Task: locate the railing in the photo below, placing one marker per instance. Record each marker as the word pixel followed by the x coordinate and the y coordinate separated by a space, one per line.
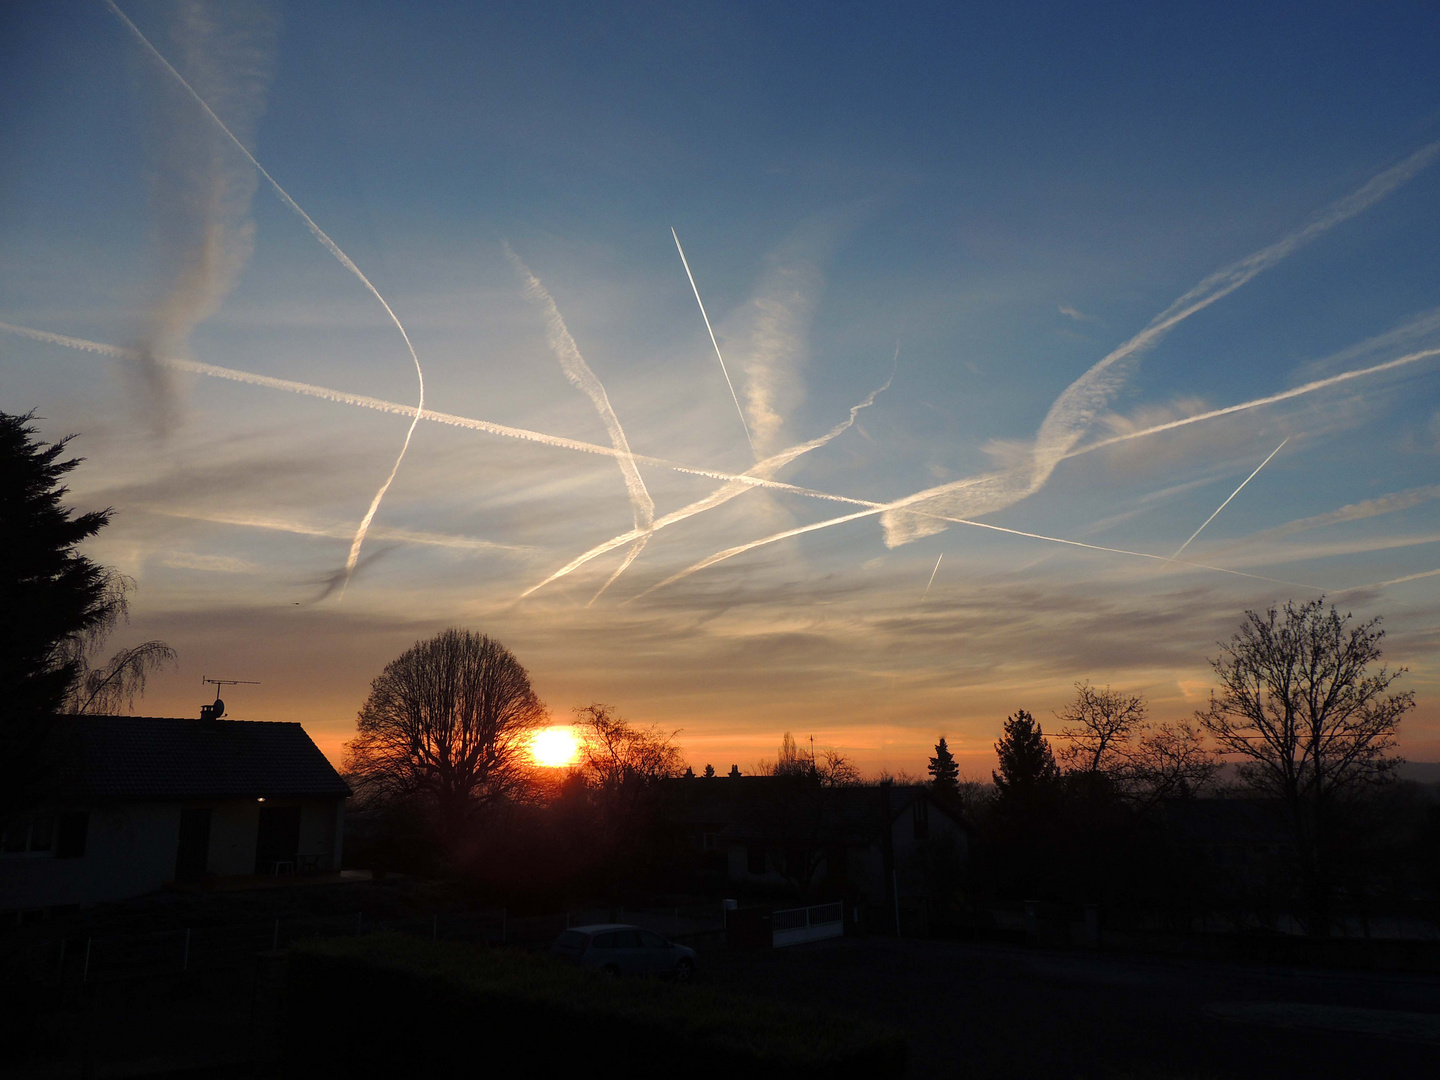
pixel 795 925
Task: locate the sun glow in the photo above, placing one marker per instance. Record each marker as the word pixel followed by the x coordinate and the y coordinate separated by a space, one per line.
pixel 555 747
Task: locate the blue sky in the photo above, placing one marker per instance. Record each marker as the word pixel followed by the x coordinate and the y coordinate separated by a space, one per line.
pixel 1004 196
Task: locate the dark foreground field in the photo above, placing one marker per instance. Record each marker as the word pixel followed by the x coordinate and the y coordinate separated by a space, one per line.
pixel 977 1010
pixel 1005 1011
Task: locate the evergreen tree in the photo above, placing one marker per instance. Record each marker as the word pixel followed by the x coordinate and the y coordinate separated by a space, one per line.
pixel 1026 764
pixel 709 771
pixel 944 773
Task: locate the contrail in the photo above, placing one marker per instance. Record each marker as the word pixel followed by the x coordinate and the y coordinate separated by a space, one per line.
pixel 1307 388
pixel 300 528
pixel 719 496
pixel 932 578
pixel 1407 577
pixel 334 250
pixel 364 401
pixel 1075 408
pixel 580 375
pixel 749 479
pixel 1226 503
pixel 740 549
pixel 728 383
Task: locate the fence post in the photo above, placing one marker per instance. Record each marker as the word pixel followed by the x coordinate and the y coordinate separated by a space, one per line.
pixel 185 964
pixel 86 977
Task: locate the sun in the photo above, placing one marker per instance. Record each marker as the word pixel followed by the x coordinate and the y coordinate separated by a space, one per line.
pixel 555 747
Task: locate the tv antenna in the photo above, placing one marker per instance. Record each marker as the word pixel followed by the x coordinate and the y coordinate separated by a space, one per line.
pixel 217 710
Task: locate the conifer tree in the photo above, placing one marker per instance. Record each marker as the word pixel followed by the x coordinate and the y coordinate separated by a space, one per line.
pixel 944 773
pixel 1026 763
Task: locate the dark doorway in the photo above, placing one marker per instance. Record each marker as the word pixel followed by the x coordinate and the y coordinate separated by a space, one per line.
pixel 194 847
pixel 279 838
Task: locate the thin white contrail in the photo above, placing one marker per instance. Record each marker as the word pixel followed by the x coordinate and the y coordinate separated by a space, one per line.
pixel 562 344
pixel 1407 577
pixel 1255 403
pixel 741 549
pixel 364 401
pixel 749 479
pixel 1226 503
pixel 301 528
pixel 1076 407
pixel 932 578
pixel 686 263
pixel 720 495
pixel 334 250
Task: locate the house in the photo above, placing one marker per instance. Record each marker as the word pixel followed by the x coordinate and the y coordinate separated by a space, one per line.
pixel 137 802
pixel 881 848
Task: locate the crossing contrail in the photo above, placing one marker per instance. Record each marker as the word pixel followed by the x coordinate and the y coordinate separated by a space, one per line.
pixel 720 495
pixel 1256 403
pixel 1076 407
pixel 1226 503
pixel 740 549
pixel 685 262
pixel 562 344
pixel 746 480
pixel 364 401
pixel 334 250
pixel 932 578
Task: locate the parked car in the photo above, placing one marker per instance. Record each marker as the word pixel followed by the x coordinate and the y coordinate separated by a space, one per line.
pixel 619 949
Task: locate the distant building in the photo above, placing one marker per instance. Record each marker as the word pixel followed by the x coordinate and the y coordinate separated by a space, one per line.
pixel 137 802
pixel 888 850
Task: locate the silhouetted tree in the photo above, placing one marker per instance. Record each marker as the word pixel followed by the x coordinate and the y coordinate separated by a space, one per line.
pixel 1304 704
pixel 944 773
pixel 1099 726
pixel 709 771
pixel 734 770
pixel 1026 762
pixel 831 769
pixel 58 606
pixel 1114 750
pixel 446 726
pixel 623 765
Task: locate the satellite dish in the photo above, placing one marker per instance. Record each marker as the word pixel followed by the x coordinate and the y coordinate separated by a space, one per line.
pixel 218 709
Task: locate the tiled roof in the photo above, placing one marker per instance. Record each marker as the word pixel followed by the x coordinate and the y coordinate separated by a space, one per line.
pixel 105 757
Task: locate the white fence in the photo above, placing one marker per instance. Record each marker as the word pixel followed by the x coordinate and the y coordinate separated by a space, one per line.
pixel 794 925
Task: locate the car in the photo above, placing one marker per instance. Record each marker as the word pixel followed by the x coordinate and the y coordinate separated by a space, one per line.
pixel 620 949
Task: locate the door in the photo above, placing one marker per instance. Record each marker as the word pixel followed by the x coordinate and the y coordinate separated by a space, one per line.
pixel 193 851
pixel 278 840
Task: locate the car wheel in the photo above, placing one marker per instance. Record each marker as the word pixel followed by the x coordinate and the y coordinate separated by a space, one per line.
pixel 610 971
pixel 684 970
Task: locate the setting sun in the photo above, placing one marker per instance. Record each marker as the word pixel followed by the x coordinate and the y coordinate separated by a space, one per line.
pixel 555 747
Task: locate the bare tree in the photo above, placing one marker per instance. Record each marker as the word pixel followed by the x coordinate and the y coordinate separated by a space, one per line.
pixel 616 755
pixel 1111 737
pixel 115 684
pixel 447 725
pixel 1303 703
pixel 1099 727
pixel 831 768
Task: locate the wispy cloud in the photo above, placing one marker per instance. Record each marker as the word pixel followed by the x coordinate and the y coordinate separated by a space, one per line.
pixel 329 246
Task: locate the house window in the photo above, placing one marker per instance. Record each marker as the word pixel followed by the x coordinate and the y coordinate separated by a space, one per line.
pixel 33 835
pixel 920 812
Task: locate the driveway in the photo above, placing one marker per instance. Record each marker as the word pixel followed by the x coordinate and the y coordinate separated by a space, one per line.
pixel 1006 1011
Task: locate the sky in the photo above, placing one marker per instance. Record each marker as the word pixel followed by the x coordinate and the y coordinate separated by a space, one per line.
pixel 959 262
